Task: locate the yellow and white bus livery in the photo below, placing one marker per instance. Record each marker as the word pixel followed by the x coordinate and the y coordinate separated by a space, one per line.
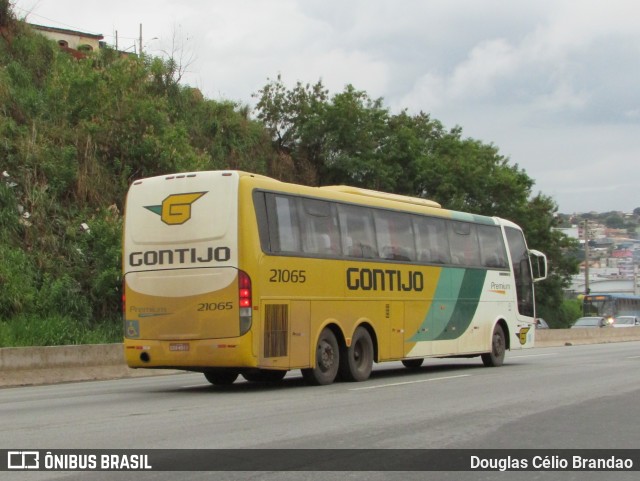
pixel 229 273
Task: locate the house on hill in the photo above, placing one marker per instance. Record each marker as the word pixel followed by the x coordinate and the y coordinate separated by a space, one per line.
pixel 76 43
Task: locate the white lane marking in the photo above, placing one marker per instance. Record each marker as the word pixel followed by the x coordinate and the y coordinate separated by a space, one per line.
pixel 515 356
pixel 633 357
pixel 409 382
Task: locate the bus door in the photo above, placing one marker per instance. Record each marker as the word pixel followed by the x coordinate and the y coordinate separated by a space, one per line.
pixel 525 300
pixel 395 315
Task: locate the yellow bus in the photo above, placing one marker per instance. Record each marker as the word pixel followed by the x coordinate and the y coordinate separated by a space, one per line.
pixel 230 273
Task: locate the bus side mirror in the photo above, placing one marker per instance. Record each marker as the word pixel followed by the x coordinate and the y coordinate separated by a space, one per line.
pixel 538 265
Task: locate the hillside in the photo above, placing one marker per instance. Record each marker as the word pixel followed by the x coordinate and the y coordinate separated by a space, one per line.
pixel 73 134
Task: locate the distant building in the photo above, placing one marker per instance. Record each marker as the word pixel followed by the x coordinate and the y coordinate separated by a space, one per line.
pixel 596 231
pixel 571 232
pixel 603 284
pixel 72 40
pixel 613 260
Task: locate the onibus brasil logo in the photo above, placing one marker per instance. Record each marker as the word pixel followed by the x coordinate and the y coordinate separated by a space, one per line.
pixel 175 209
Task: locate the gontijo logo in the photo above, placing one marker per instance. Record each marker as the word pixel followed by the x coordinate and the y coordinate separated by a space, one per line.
pixel 175 209
pixel 522 335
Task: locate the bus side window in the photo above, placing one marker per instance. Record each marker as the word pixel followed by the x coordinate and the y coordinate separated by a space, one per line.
pixel 492 249
pixel 320 234
pixel 356 226
pixel 395 236
pixel 463 242
pixel 431 240
pixel 284 231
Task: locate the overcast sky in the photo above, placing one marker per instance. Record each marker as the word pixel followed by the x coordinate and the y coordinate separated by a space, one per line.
pixel 554 84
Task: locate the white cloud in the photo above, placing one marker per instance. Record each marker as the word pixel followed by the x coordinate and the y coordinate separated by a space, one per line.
pixel 487 65
pixel 562 97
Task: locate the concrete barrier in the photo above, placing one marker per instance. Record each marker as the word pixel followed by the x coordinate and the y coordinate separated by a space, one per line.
pixel 595 335
pixel 21 366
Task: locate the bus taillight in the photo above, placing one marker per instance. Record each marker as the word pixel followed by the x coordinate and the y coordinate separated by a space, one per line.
pixel 245 303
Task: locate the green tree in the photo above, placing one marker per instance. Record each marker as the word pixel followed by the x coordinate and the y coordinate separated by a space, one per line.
pixel 296 121
pixel 615 221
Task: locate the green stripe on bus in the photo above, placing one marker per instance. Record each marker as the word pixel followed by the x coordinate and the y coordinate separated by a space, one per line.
pixel 465 308
pixel 455 303
pixel 477 219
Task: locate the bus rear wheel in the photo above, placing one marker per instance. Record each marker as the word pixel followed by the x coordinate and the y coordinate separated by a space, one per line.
pixel 327 360
pixel 495 358
pixel 356 361
pixel 221 377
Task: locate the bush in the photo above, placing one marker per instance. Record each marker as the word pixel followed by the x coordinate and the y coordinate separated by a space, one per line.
pixel 35 330
pixel 55 330
pixel 9 215
pixel 99 263
pixel 18 282
pixel 562 318
pixel 63 297
pixel 570 310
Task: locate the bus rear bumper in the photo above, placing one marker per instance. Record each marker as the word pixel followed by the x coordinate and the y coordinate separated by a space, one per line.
pixel 193 355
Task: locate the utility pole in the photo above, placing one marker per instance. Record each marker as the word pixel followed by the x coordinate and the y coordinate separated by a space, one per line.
pixel 140 39
pixel 586 257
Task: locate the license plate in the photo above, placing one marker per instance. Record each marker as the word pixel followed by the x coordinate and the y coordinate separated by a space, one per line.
pixel 179 346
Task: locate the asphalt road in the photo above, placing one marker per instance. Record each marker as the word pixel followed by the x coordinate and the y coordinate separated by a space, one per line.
pixel 585 397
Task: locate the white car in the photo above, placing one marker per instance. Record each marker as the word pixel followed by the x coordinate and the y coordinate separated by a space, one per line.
pixel 626 321
pixel 590 322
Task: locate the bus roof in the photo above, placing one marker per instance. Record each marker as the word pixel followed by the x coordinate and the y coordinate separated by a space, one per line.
pixel 382 195
pixel 355 191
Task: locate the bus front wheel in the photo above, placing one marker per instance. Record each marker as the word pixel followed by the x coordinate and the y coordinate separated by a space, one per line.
pixel 495 358
pixel 327 360
pixel 356 361
pixel 221 377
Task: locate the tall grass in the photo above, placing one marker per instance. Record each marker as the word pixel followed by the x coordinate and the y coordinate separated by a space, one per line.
pixel 55 330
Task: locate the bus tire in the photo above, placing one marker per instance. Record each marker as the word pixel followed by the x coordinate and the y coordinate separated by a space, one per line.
pixel 264 375
pixel 327 360
pixel 221 377
pixel 356 361
pixel 412 363
pixel 495 358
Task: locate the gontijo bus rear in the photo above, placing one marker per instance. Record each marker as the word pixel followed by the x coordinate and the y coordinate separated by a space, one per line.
pixel 230 273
